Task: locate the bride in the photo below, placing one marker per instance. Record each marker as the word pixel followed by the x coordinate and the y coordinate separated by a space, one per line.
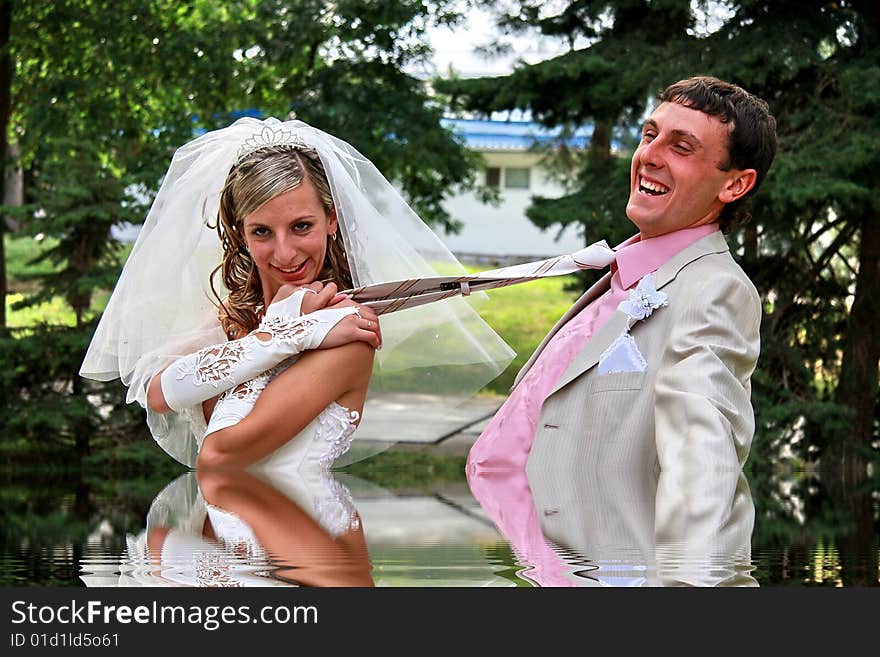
pixel 273 368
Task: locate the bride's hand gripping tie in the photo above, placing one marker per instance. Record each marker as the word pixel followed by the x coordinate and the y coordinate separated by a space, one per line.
pixel 362 328
pixel 281 334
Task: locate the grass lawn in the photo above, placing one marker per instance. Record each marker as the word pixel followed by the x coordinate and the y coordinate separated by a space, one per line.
pixel 19 252
pixel 55 311
pixel 21 273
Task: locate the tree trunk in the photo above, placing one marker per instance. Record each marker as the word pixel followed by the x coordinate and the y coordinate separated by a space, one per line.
pixel 5 111
pixel 859 370
pixel 81 426
pixel 749 259
pixel 859 558
pixel 750 243
pixel 80 302
pixel 600 142
pixel 857 542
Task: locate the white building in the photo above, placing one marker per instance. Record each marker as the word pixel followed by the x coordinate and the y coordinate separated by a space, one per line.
pixel 504 232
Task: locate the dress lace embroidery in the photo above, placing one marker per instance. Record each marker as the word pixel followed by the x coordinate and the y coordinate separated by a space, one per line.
pixel 249 391
pixel 215 365
pixel 336 512
pixel 336 424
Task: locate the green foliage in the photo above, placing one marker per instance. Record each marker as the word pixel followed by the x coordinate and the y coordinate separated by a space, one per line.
pixel 49 414
pixel 24 261
pixel 80 199
pixel 22 312
pixel 38 413
pixel 340 68
pixel 398 470
pixel 133 455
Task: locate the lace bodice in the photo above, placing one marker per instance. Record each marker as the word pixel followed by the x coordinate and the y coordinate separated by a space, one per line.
pixel 320 443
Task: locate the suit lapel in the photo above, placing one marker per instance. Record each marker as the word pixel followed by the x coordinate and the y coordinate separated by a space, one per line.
pixel 591 352
pixel 615 325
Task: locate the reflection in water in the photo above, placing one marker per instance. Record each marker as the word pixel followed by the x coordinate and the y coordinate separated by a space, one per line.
pixel 64 532
pixel 240 528
pixel 586 527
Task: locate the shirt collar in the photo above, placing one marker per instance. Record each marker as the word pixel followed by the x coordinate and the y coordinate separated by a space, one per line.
pixel 636 257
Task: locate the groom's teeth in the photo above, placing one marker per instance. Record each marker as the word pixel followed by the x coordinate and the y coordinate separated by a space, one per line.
pixel 652 187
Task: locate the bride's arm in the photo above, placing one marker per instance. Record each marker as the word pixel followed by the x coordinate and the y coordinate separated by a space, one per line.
pixel 210 371
pixel 292 400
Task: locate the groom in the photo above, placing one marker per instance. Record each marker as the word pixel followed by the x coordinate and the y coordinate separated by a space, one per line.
pixel 650 369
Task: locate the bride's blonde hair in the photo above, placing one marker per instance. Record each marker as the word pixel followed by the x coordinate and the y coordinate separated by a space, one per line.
pixel 254 180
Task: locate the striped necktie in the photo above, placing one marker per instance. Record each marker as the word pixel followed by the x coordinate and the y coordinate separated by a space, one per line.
pixel 398 295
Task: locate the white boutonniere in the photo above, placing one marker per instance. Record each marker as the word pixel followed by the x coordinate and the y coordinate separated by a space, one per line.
pixel 623 354
pixel 643 300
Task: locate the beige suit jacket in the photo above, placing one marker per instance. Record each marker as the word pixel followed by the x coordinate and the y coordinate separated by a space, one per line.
pixel 605 533
pixel 681 422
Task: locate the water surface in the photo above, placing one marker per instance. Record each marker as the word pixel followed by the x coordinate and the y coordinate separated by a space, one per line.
pixel 91 531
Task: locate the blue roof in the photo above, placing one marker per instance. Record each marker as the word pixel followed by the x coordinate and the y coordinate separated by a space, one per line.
pixel 511 135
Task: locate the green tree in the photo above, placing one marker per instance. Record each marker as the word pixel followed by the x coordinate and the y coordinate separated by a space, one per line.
pixel 604 86
pixel 100 94
pixel 816 252
pixel 130 83
pixel 341 66
pixel 5 91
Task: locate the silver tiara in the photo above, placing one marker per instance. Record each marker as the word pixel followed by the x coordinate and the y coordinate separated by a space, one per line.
pixel 270 137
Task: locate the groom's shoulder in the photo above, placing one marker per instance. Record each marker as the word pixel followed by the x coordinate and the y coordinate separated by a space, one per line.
pixel 715 263
pixel 719 278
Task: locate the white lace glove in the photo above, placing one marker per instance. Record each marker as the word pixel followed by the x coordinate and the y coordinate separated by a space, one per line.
pixel 199 376
pixel 236 403
pixel 291 306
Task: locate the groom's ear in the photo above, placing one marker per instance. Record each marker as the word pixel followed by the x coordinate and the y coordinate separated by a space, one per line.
pixel 738 185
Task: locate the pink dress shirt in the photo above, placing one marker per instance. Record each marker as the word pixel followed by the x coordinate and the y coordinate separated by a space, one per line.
pixel 497 460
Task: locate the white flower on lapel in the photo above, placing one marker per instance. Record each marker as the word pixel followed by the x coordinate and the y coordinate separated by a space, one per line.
pixel 643 300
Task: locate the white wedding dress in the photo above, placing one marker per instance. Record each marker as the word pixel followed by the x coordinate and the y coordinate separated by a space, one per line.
pixel 321 442
pixel 299 469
